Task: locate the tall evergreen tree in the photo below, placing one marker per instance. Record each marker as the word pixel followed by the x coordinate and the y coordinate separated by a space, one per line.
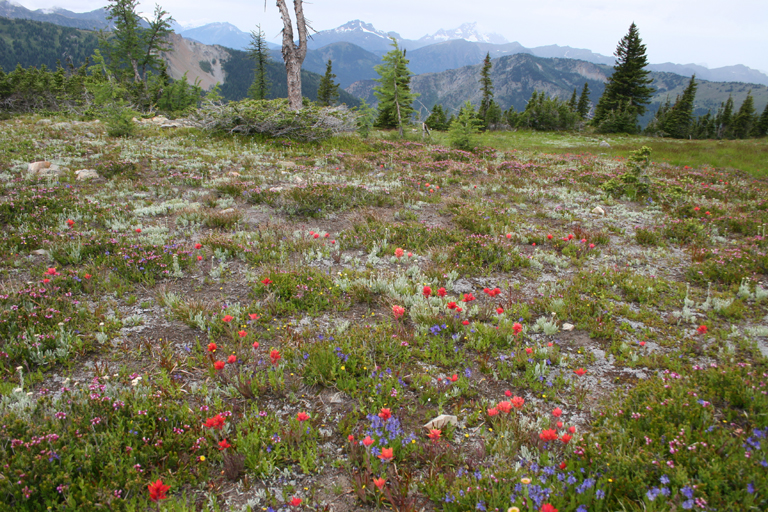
pixel 394 90
pixel 583 107
pixel 573 102
pixel 259 53
pixel 437 120
pixel 762 124
pixel 678 122
pixel 628 89
pixel 724 119
pixel 327 90
pixel 486 84
pixel 745 118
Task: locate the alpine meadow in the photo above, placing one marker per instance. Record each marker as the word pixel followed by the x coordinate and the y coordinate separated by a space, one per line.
pixel 302 277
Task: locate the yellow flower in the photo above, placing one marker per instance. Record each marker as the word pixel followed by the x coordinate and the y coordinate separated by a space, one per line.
pixel 202 458
pixel 513 509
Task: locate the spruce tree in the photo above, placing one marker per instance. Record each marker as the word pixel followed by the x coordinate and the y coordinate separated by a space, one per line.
pixel 745 118
pixel 573 102
pixel 394 92
pixel 487 87
pixel 679 120
pixel 583 107
pixel 437 119
pixel 628 89
pixel 762 124
pixel 327 90
pixel 259 53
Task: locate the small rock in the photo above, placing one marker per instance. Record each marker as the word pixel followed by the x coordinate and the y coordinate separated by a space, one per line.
pixel 86 174
pixel 41 252
pixel 44 169
pixel 159 119
pixel 568 327
pixel 285 163
pixel 90 135
pixel 36 167
pixel 228 211
pixel 44 121
pixel 604 144
pixel 442 421
pixel 173 124
pixel 62 126
pixel 298 179
pixel 598 211
pixel 234 173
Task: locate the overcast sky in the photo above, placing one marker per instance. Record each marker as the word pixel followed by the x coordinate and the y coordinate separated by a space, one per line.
pixel 710 32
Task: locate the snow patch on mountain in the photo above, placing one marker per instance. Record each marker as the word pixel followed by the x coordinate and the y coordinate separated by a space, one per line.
pixel 471 32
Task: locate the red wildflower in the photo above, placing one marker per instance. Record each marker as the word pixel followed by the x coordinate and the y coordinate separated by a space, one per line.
pixel 255 344
pixel 441 292
pixel 453 378
pixel 219 365
pixel 227 318
pixel 296 501
pixel 493 411
pixel 199 258
pixel 468 297
pixel 557 412
pixel 387 454
pixel 548 435
pixel 572 429
pixel 316 235
pixel 385 414
pixel 198 246
pixel 215 422
pixel 499 310
pixel 398 311
pixel 70 222
pixel 451 305
pixel 266 281
pixel 518 402
pixel 434 434
pixel 232 359
pixel 399 253
pixel 548 508
pixel 51 272
pixel 223 445
pixel 379 482
pixel 138 230
pixel 566 438
pixel 465 322
pixel 87 276
pixel 302 416
pixel 517 328
pixel 212 347
pixel 507 393
pixel 275 356
pixel 563 465
pixel 253 316
pixel 242 334
pixel 367 441
pixel 157 490
pixel 528 350
pixel 46 281
pixel 427 291
pixel 702 329
pixel 505 407
pixel 350 438
pixel 580 371
pixel 549 237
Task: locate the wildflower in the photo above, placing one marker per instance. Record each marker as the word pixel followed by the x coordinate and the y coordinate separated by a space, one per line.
pixel 548 508
pixel 198 246
pixel 266 281
pixel 518 402
pixel 570 237
pixel 528 350
pixel 212 347
pixel 563 465
pixel 441 292
pixel 453 378
pixel 296 501
pixel 51 272
pixel 559 424
pixel 465 322
pixel 591 246
pixel 566 438
pixel 398 311
pixel 351 438
pixel 232 359
pixel 316 235
pixel 549 237
pixel 242 334
pixel 525 481
pixel 557 412
pixel 434 434
pixel 367 441
pixel 499 310
pixel 702 329
pixel 548 435
pixel 493 411
pixel 223 445
pixel 227 318
pixel 302 416
pixel 255 344
pixel 580 371
pixel 387 454
pixel 426 291
pixel 216 422
pixel 253 316
pixel 513 509
pixel 572 429
pixel 138 230
pixel 379 482
pixel 70 222
pixel 517 328
pixel 399 253
pixel 468 297
pixel 508 393
pixel 451 305
pixel 275 356
pixel 219 365
pixel 87 276
pixel 199 258
pixel 157 490
pixel 505 407
pixel 509 235
pixel 385 414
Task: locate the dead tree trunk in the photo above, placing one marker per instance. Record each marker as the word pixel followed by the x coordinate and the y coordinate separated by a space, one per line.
pixel 293 54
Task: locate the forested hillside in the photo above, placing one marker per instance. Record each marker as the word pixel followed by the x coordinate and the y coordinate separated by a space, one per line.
pixel 34 43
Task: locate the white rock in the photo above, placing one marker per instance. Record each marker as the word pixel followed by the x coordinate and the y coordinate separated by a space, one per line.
pixel 36 167
pixel 442 421
pixel 604 144
pixel 568 327
pixel 598 211
pixel 285 163
pixel 86 174
pixel 44 169
pixel 234 173
pixel 44 121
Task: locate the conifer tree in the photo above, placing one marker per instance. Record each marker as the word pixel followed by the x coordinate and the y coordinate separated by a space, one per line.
pixel 724 118
pixel 394 92
pixel 327 90
pixel 259 53
pixel 437 119
pixel 486 84
pixel 628 89
pixel 762 124
pixel 583 107
pixel 745 118
pixel 678 121
pixel 573 102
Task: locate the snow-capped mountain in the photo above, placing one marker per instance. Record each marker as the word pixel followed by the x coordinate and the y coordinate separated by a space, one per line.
pixel 468 31
pixel 357 32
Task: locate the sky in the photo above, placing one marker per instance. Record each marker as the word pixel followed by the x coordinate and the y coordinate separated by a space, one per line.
pixel 707 32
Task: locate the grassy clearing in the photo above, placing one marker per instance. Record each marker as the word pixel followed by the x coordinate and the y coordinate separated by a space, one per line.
pixel 359 325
